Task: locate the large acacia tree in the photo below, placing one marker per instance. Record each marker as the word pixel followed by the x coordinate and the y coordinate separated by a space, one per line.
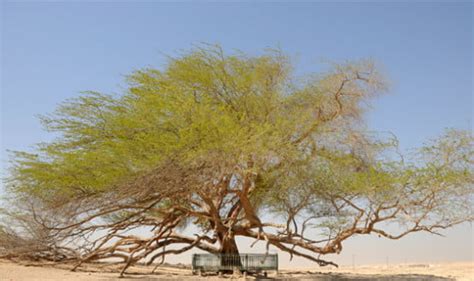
pixel 235 145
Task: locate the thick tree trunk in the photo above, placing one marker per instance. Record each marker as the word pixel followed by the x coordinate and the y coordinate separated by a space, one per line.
pixel 229 246
pixel 229 251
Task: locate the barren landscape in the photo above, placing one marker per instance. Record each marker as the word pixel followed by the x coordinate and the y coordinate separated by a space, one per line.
pixel 444 271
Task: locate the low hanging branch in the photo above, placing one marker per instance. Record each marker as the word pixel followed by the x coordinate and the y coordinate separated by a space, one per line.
pixel 230 145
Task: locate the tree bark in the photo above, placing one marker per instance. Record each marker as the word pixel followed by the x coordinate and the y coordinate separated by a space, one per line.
pixel 229 246
pixel 229 251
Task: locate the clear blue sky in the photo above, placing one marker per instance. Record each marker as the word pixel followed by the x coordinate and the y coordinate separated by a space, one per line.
pixel 51 51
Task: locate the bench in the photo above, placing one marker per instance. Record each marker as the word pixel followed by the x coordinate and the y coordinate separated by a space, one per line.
pixel 245 263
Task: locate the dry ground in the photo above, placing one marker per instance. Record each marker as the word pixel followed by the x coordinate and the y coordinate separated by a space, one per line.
pixel 445 271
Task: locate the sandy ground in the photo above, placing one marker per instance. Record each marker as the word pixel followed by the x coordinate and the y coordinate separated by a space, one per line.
pixel 445 271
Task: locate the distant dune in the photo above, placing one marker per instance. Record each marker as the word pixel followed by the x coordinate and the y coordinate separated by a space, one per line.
pixel 445 271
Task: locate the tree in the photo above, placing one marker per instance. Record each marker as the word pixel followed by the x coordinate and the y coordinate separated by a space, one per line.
pixel 236 146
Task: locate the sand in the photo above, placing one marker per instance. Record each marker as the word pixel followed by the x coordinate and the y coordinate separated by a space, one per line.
pixel 445 271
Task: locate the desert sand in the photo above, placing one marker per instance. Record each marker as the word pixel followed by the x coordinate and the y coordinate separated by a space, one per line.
pixel 445 271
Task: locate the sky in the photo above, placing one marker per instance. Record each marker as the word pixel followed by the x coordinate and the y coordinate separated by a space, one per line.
pixel 51 51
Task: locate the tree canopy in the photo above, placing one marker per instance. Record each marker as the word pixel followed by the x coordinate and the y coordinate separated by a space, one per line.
pixel 235 145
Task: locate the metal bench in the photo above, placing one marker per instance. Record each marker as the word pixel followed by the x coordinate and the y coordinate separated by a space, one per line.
pixel 246 263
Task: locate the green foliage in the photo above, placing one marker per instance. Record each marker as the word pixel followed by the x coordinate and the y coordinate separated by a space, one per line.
pixel 208 107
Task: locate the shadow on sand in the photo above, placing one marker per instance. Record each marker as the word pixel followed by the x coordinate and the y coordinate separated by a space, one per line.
pixel 309 277
pixel 360 277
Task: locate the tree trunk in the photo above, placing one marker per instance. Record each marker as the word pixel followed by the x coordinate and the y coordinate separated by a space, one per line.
pixel 229 251
pixel 229 246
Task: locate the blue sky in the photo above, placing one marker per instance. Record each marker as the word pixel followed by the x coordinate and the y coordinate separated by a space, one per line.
pixel 53 50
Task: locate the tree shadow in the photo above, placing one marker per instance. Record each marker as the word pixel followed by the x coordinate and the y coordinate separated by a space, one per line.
pixel 308 277
pixel 360 277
